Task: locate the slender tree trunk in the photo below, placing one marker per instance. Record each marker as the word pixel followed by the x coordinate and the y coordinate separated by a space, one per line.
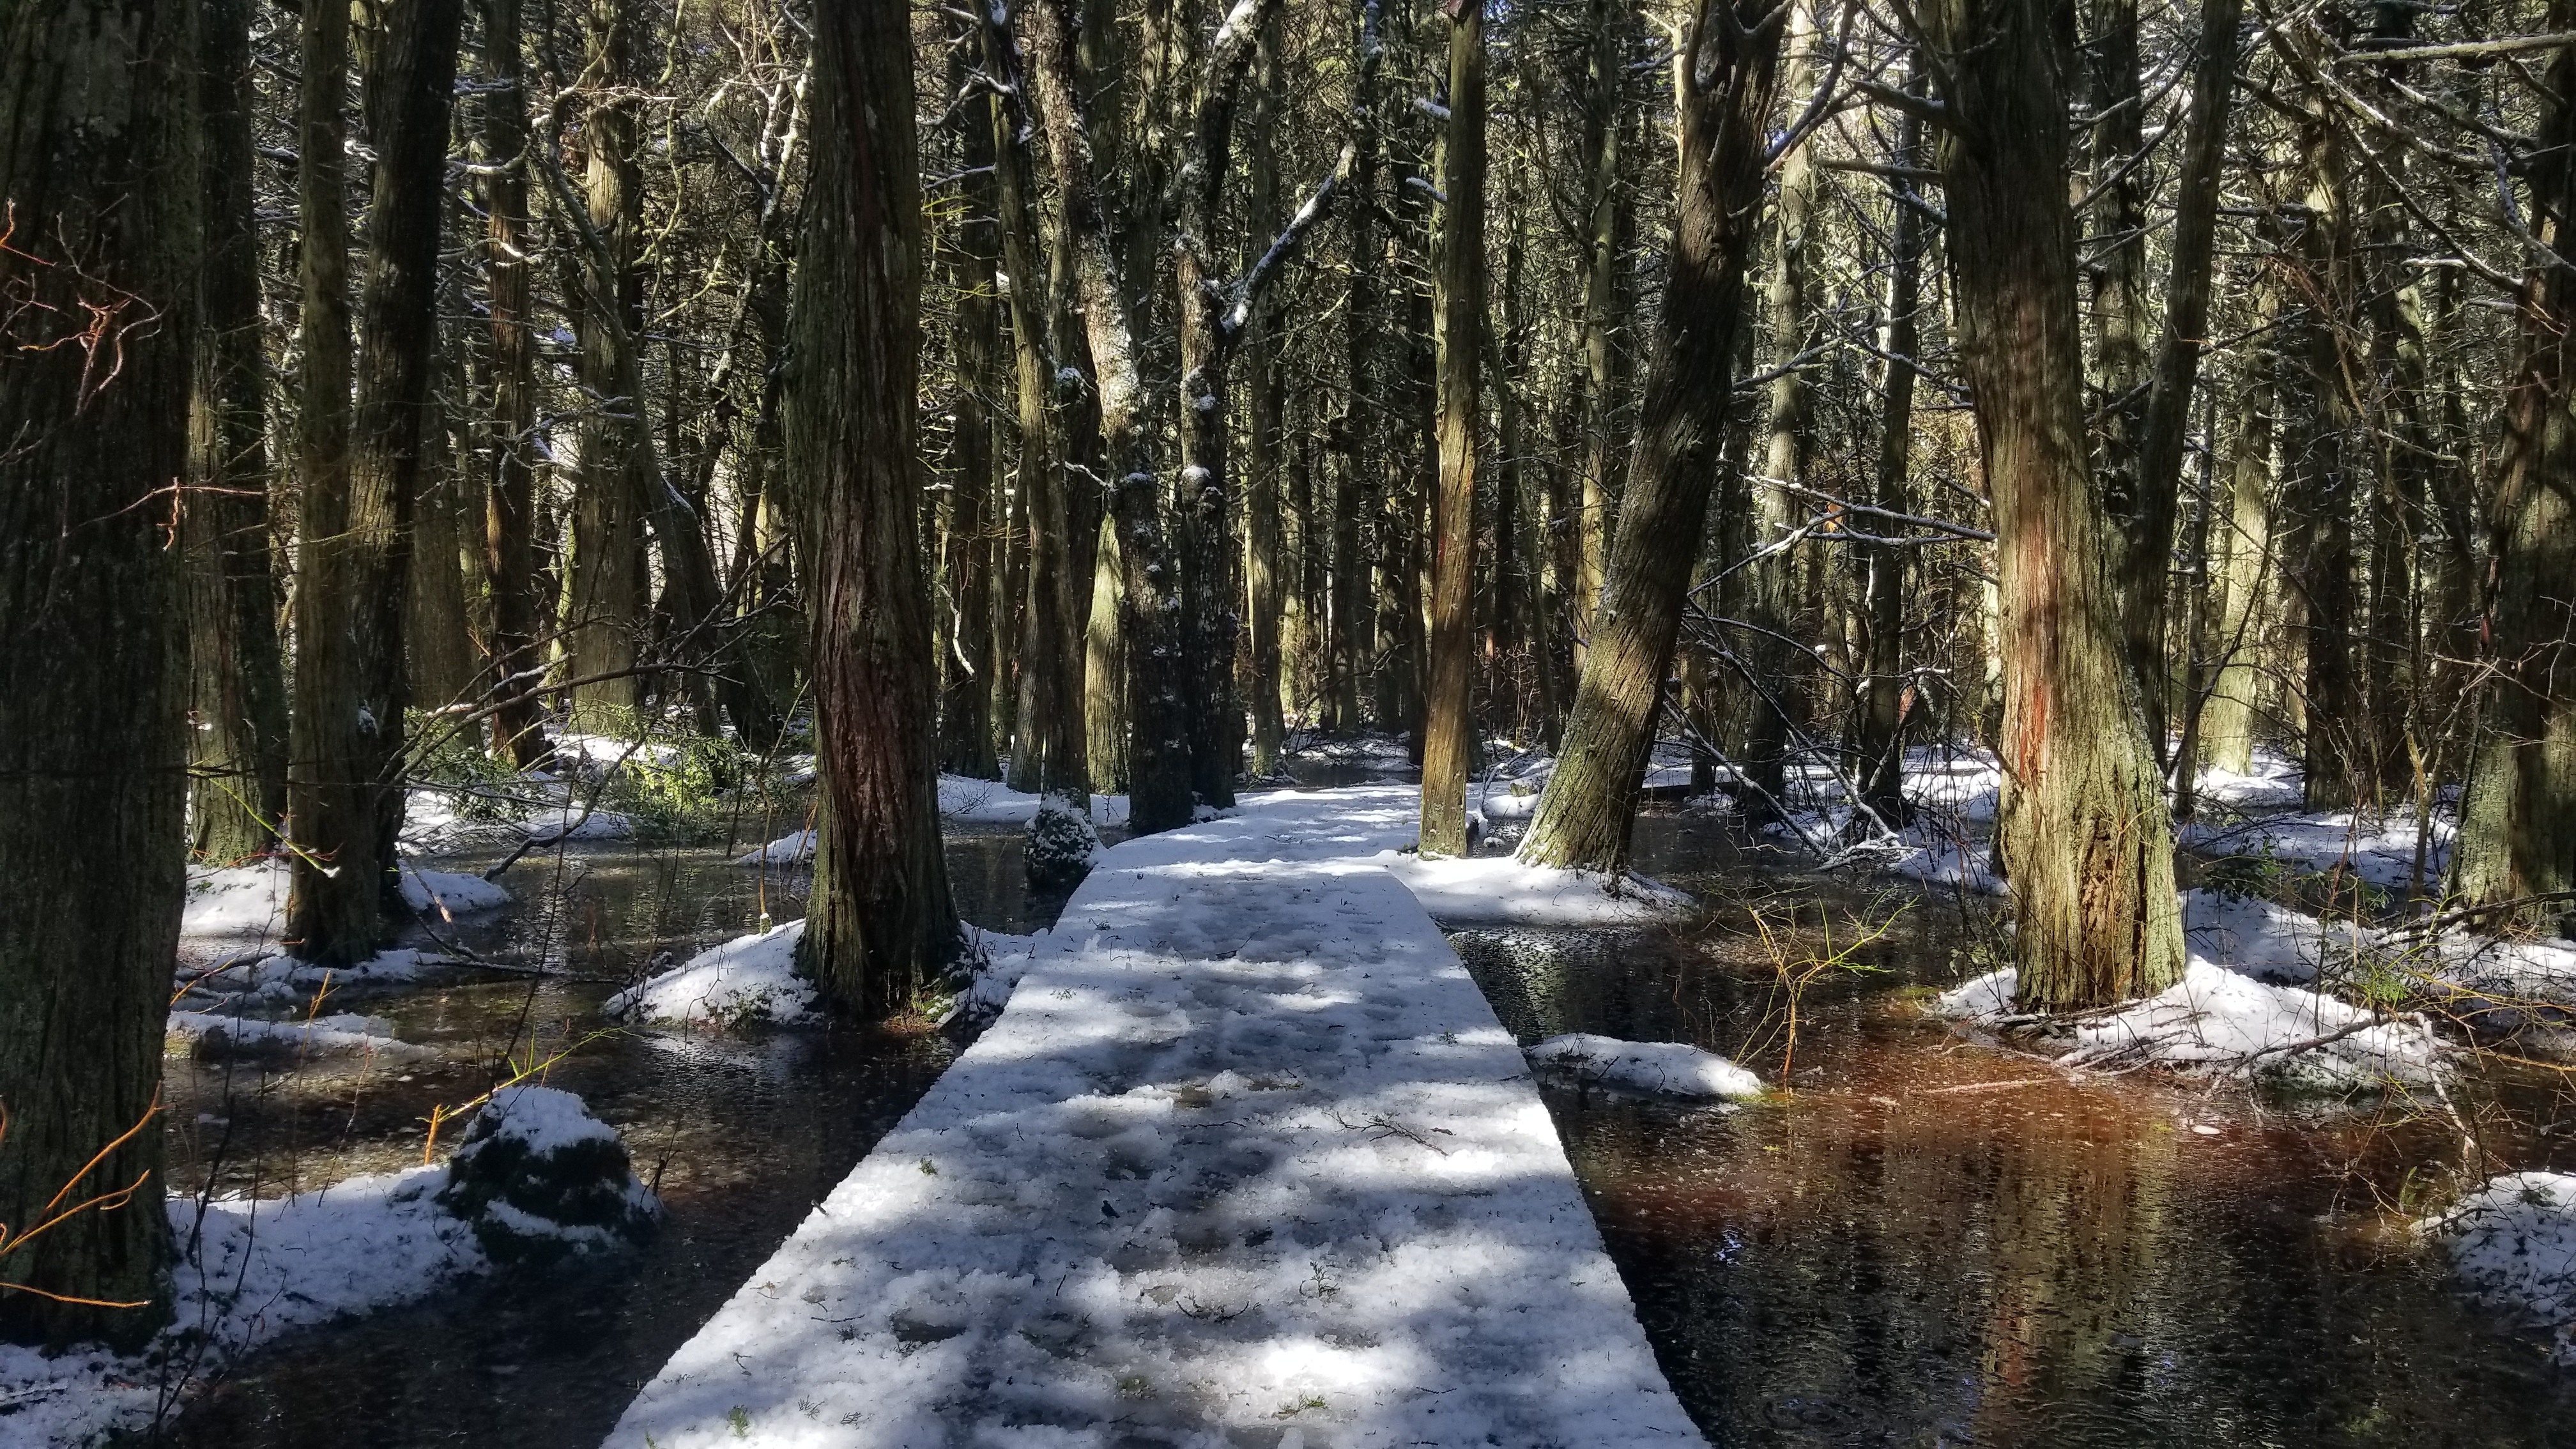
pixel 2146 551
pixel 1158 759
pixel 1458 306
pixel 1606 225
pixel 238 681
pixel 2244 552
pixel 1206 496
pixel 438 637
pixel 2318 447
pixel 2116 266
pixel 1886 690
pixel 2083 832
pixel 880 926
pixel 1263 563
pixel 2518 820
pixel 966 713
pixel 1355 431
pixel 509 533
pixel 1729 64
pixel 98 159
pixel 608 590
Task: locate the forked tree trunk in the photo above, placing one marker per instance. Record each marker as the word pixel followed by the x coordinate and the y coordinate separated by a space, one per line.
pixel 237 675
pixel 98 158
pixel 1158 750
pixel 2083 832
pixel 2518 822
pixel 880 926
pixel 1458 300
pixel 1730 65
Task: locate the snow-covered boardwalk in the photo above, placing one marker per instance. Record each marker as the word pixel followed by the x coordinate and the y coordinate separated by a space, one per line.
pixel 1247 1161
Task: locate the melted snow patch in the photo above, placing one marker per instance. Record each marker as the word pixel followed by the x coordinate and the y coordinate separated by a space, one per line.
pixel 747 979
pixel 2513 1243
pixel 1675 1068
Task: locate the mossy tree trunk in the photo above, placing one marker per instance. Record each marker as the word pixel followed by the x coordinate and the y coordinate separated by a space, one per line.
pixel 1729 68
pixel 98 158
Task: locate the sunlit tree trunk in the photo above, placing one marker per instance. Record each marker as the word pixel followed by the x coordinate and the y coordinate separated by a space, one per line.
pixel 509 531
pixel 2518 819
pixel 237 675
pixel 98 158
pixel 1458 301
pixel 2115 264
pixel 1885 688
pixel 1605 361
pixel 2242 552
pixel 880 926
pixel 1730 64
pixel 2083 832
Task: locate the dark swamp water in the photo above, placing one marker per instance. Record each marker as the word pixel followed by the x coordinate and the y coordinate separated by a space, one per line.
pixel 1924 1243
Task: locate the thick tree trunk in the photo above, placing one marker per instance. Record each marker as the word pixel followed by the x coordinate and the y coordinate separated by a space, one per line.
pixel 609 585
pixel 1458 303
pixel 880 926
pixel 438 637
pixel 2518 821
pixel 2318 449
pixel 509 532
pixel 1158 759
pixel 1355 431
pixel 238 681
pixel 2116 267
pixel 1729 64
pixel 2083 833
pixel 1104 652
pixel 98 158
pixel 1605 360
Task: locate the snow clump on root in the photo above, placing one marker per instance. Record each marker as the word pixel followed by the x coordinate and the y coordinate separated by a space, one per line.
pixel 540 1178
pixel 1671 1068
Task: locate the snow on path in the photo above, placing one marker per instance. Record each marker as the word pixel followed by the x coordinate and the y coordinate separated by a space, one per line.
pixel 1247 1160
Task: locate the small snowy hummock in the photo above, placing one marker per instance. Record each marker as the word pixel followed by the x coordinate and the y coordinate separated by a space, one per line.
pixel 747 980
pixel 1061 844
pixel 1673 1068
pixel 2221 1020
pixel 448 893
pixel 539 1177
pixel 216 1036
pixel 2513 1242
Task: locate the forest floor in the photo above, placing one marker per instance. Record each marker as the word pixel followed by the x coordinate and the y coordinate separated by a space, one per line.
pixel 1247 1154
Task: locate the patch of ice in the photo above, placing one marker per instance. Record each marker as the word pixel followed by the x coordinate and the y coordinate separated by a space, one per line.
pixel 2513 1243
pixel 747 979
pixel 1674 1068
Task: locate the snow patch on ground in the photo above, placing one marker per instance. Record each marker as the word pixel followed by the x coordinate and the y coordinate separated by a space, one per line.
pixel 341 1033
pixel 250 1269
pixel 962 801
pixel 747 979
pixel 1673 1068
pixel 2513 1244
pixel 451 820
pixel 238 910
pixel 2220 1020
pixel 1503 890
pixel 1247 1159
pixel 2380 850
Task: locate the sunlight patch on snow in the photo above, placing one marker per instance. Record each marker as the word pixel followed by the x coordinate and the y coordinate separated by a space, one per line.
pixel 2513 1243
pixel 746 980
pixel 1504 890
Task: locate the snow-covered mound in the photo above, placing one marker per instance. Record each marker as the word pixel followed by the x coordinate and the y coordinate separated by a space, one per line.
pixel 1061 844
pixel 249 1270
pixel 2513 1242
pixel 1674 1068
pixel 746 980
pixel 1502 890
pixel 449 893
pixel 2218 1020
pixel 341 1033
pixel 538 1176
pixel 241 909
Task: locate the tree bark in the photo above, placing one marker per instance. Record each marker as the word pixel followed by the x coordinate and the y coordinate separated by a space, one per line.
pixel 509 533
pixel 880 926
pixel 1263 562
pixel 609 582
pixel 966 708
pixel 98 158
pixel 1355 430
pixel 2244 563
pixel 1158 759
pixel 1885 688
pixel 2518 820
pixel 1729 64
pixel 2083 833
pixel 238 680
pixel 1458 302
pixel 1605 360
